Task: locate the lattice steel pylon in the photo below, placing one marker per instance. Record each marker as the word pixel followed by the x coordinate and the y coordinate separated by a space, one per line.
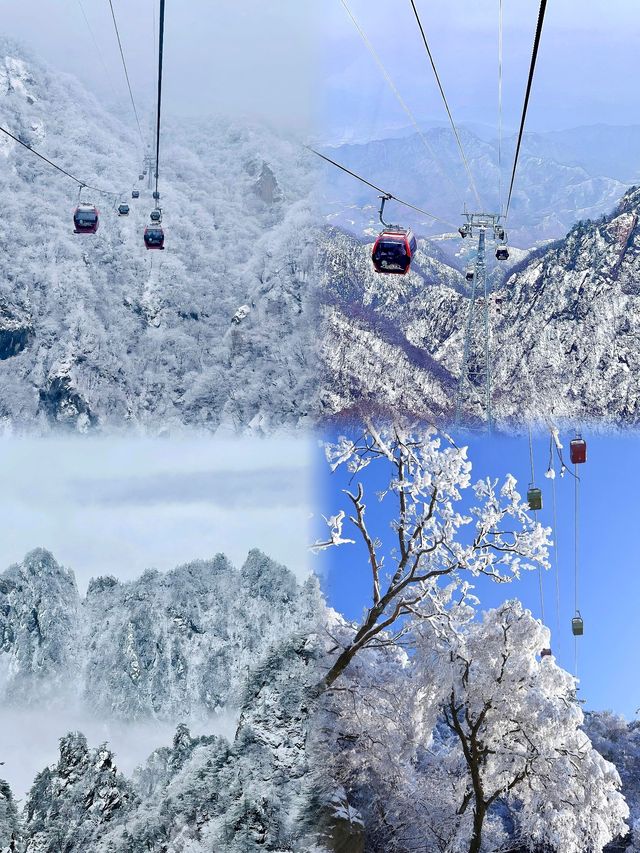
pixel 474 398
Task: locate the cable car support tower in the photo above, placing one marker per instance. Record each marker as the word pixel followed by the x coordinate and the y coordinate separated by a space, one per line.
pixel 473 401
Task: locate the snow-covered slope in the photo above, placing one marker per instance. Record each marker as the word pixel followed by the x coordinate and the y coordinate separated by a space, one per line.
pixel 372 360
pixel 174 646
pixel 564 338
pixel 169 646
pixel 198 794
pixel 96 332
pixel 567 342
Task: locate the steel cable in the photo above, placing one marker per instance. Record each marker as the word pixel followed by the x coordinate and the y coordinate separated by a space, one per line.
pixel 472 182
pixel 126 72
pixel 532 68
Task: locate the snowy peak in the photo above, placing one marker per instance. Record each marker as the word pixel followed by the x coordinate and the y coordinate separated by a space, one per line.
pixel 16 80
pixel 170 646
pixel 39 604
pixel 263 577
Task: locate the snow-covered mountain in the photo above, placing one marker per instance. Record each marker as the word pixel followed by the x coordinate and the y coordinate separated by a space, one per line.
pixel 561 178
pixel 371 362
pixel 98 333
pixel 175 646
pixel 166 646
pixel 564 329
pixel 566 341
pixel 200 793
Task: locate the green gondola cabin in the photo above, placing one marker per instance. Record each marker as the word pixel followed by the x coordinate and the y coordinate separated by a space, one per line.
pixel 534 498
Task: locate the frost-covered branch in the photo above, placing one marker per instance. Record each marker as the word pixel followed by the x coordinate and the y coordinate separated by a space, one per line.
pixel 444 527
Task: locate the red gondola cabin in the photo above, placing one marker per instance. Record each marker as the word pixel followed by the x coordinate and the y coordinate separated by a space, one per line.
pixel 154 237
pixel 86 219
pixel 578 450
pixel 393 250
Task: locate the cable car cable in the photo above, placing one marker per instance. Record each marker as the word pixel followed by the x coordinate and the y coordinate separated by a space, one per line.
pixel 532 68
pixel 500 51
pixel 401 100
pixel 97 47
pixel 575 546
pixel 556 543
pixel 160 63
pixel 378 189
pixel 126 72
pixel 472 182
pixel 533 479
pixel 55 165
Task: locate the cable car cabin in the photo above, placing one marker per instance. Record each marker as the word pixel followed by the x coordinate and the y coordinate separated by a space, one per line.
pixel 141 177
pixel 534 498
pixel 578 450
pixel 577 626
pixel 469 274
pixel 135 194
pixel 123 210
pixel 85 219
pixel 545 653
pixel 154 237
pixel 156 195
pixel 502 253
pixel 393 250
pixel 156 216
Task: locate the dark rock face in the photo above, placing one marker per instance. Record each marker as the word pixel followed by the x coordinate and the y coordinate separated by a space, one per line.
pixel 13 341
pixel 267 187
pixel 339 829
pixel 62 404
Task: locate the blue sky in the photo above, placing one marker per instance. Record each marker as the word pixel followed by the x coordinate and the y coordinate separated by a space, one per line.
pixel 609 563
pixel 586 70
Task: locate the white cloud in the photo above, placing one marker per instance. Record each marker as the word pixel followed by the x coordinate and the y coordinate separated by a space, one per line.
pixel 119 506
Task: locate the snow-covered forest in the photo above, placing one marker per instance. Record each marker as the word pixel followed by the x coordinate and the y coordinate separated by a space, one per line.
pixel 563 328
pixel 96 332
pixel 431 723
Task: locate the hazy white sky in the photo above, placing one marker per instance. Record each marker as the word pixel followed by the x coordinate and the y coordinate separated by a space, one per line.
pixel 586 70
pixel 244 57
pixel 119 506
pixel 301 63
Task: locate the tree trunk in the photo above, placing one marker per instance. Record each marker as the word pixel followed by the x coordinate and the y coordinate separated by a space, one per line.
pixel 475 844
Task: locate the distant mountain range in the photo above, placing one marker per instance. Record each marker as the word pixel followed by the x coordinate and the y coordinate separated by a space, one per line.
pixel 563 177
